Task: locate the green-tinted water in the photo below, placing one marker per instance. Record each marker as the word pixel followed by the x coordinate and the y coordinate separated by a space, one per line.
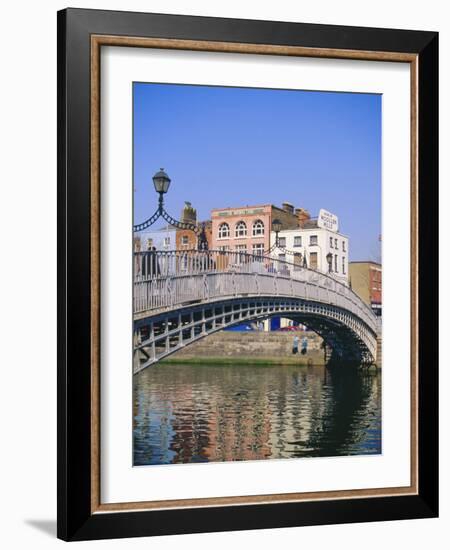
pixel 203 413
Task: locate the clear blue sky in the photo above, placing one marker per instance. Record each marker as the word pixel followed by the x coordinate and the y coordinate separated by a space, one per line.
pixel 242 146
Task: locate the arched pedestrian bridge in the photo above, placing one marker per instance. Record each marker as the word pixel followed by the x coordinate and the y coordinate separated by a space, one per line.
pixel 182 296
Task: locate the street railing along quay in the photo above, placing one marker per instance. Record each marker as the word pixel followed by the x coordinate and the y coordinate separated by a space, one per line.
pixel 168 279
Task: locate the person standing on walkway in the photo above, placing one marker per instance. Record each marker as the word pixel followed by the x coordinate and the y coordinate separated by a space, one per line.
pixel 304 345
pixel 295 345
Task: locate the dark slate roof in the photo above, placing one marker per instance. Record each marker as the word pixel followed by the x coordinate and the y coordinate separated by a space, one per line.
pixel 309 224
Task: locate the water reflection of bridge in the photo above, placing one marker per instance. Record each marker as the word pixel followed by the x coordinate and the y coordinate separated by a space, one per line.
pixel 182 296
pixel 185 413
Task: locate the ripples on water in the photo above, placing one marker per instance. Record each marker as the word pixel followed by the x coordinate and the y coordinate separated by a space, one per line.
pixel 207 413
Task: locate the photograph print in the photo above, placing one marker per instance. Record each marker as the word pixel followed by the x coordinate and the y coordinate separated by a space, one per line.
pixel 257 274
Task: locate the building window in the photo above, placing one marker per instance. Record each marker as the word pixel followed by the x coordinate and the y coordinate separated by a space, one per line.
pixel 297 261
pixel 241 251
pixel 335 244
pixel 224 248
pixel 241 229
pixel 282 241
pixel 166 242
pixel 282 257
pixel 343 246
pixel 343 265
pixel 297 241
pixel 258 228
pixel 331 242
pixel 184 240
pixel 336 263
pixel 224 231
pixel 258 249
pixel 312 240
pixel 313 260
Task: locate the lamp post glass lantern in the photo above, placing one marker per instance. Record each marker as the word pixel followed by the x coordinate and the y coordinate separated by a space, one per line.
pixel 276 226
pixel 329 260
pixel 161 181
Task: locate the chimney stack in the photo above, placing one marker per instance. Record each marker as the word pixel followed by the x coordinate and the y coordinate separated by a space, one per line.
pixel 288 207
pixel 302 216
pixel 188 214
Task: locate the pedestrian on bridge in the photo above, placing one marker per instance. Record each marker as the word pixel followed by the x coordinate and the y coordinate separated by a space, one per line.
pixel 150 267
pixel 154 264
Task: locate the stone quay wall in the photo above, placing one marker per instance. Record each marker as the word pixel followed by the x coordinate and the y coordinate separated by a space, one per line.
pixel 379 361
pixel 251 347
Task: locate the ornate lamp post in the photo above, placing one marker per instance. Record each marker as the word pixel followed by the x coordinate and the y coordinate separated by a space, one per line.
pixel 276 226
pixel 161 181
pixel 329 258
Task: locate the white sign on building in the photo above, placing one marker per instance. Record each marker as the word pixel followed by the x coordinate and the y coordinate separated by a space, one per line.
pixel 327 220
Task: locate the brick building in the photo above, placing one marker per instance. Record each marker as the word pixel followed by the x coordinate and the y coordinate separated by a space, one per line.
pixel 366 278
pixel 187 239
pixel 247 229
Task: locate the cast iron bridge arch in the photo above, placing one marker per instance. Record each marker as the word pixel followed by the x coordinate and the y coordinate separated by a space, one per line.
pixel 182 296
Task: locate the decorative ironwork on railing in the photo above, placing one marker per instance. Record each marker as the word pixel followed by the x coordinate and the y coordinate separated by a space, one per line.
pixel 161 213
pixel 199 229
pixel 167 279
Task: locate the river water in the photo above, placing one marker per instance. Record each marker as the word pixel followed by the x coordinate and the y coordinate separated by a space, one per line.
pixel 210 413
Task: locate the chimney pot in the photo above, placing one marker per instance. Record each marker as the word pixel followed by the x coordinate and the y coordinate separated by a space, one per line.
pixel 288 207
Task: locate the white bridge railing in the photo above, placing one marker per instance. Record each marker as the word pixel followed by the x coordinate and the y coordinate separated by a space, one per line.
pixel 166 280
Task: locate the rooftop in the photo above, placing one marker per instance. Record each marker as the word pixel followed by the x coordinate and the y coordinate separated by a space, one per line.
pixel 372 262
pixel 242 207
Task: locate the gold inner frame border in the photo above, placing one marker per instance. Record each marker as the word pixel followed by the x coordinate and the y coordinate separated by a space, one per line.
pixel 97 41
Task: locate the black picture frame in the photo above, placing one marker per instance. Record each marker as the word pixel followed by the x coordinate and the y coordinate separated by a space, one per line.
pixel 75 518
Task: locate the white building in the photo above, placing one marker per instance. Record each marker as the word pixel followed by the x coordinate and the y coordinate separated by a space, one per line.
pixel 313 242
pixel 162 239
